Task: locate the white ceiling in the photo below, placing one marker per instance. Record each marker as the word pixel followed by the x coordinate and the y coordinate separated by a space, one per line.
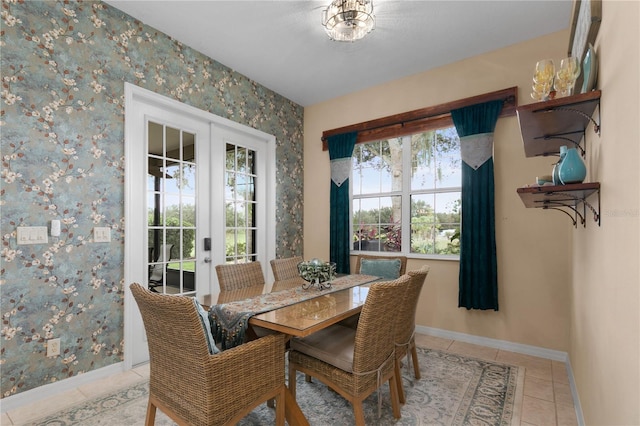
pixel 281 44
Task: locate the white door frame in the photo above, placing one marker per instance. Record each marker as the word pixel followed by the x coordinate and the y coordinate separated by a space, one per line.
pixel 135 184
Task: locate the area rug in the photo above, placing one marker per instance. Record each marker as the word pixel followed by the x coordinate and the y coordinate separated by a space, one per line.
pixel 454 390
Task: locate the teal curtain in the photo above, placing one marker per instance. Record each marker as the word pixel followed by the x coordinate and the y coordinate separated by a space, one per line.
pixel 478 278
pixel 340 151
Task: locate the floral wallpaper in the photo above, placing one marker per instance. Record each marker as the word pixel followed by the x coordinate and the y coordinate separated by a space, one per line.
pixel 63 68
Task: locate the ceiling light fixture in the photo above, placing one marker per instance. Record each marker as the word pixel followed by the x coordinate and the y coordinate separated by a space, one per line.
pixel 348 20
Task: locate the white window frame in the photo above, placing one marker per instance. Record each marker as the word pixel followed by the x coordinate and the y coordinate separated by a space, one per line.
pixel 405 195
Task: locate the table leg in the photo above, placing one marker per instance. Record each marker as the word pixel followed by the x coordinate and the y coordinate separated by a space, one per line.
pixel 292 411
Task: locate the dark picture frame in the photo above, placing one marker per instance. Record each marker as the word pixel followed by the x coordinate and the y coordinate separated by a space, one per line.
pixel 586 16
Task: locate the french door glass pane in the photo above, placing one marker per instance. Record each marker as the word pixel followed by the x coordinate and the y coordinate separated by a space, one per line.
pixel 240 200
pixel 171 203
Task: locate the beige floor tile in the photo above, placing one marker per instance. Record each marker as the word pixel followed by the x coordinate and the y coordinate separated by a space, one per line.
pixel 5 420
pixel 541 370
pixel 512 357
pixel 538 412
pixel 475 351
pixel 111 383
pixel 142 370
pixel 536 367
pixel 432 342
pixel 566 415
pixel 526 424
pixel 559 370
pixel 45 407
pixel 562 393
pixel 538 388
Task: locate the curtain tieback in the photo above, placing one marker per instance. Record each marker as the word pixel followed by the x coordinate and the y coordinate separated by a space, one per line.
pixel 379 378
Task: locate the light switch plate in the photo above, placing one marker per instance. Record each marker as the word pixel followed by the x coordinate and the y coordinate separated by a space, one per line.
pixel 32 235
pixel 101 234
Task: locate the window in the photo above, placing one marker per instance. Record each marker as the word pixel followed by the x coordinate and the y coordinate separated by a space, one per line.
pixel 415 180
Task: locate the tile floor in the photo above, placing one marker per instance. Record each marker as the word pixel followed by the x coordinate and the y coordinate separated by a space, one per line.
pixel 547 399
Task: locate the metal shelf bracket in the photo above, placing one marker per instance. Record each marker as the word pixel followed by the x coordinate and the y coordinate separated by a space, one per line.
pixel 585 205
pixel 596 126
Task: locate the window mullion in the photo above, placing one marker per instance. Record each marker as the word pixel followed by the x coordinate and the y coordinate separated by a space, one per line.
pixel 406 196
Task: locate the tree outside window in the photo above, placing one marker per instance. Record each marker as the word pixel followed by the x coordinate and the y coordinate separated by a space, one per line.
pixel 412 180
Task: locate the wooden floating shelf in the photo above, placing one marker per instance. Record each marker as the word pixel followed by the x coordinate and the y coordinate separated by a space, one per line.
pixel 560 197
pixel 546 126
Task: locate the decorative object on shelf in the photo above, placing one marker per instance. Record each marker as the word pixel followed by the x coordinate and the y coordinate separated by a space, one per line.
pixel 348 20
pixel 555 175
pixel 544 180
pixel 585 23
pixel 571 168
pixel 317 273
pixel 543 79
pixel 566 76
pixel 590 73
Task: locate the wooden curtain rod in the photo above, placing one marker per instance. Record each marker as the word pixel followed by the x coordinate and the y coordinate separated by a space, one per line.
pixel 510 97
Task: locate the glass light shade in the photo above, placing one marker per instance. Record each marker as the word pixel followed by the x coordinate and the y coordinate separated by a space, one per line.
pixel 348 20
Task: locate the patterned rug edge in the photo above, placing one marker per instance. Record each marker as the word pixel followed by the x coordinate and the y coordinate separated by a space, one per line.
pixel 142 386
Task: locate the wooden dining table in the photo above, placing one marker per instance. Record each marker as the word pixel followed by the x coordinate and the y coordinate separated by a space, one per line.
pixel 297 313
pixel 303 318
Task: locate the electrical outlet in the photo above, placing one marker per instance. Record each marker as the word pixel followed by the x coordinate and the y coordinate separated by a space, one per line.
pixel 32 235
pixel 101 234
pixel 53 347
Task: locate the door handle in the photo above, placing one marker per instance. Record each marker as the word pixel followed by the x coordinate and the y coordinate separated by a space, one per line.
pixel 207 260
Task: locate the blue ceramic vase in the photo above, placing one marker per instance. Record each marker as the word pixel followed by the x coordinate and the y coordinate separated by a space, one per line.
pixel 571 168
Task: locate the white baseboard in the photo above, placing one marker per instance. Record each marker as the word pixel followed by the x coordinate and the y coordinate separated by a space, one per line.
pixel 574 394
pixel 495 343
pixel 51 389
pixel 513 347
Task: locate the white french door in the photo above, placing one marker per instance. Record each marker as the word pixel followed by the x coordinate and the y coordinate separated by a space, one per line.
pixel 199 192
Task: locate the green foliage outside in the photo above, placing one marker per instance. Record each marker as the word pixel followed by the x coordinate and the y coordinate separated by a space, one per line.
pixel 184 248
pixel 431 232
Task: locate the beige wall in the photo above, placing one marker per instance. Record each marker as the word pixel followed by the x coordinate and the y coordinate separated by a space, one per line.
pixel 574 290
pixel 605 332
pixel 534 256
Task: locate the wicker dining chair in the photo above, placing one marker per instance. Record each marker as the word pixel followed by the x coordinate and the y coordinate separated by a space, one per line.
pixel 285 273
pixel 194 387
pixel 406 326
pixel 355 363
pixel 382 266
pixel 287 268
pixel 364 258
pixel 236 276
